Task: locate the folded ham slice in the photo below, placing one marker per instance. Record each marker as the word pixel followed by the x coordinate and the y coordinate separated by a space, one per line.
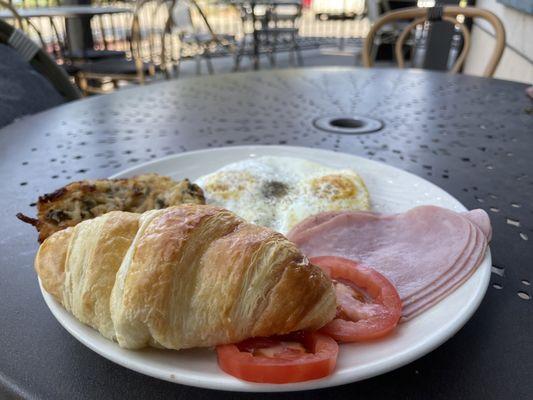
pixel 448 282
pixel 481 219
pixel 426 252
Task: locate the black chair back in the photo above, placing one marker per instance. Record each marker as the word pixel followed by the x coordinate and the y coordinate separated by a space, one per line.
pixel 29 51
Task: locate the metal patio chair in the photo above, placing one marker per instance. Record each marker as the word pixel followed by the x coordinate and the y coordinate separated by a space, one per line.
pixel 449 14
pixel 30 80
pixel 143 57
pixel 35 53
pixel 196 38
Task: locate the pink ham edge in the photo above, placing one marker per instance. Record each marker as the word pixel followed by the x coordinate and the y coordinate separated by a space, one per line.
pixel 336 237
pixel 468 257
pixel 452 282
pixel 481 219
pixel 470 249
pixel 414 309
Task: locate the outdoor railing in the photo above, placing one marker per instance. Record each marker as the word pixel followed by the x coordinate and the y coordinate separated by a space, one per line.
pixel 321 19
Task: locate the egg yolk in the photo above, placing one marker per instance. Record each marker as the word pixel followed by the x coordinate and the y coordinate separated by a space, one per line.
pixel 333 187
pixel 229 184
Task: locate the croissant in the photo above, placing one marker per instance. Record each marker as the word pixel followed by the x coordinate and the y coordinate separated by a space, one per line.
pixel 181 277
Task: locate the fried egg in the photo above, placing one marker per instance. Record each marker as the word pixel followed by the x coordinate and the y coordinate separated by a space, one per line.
pixel 279 192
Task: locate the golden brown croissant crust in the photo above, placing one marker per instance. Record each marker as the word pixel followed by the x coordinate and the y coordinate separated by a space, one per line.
pixel 181 277
pixel 79 201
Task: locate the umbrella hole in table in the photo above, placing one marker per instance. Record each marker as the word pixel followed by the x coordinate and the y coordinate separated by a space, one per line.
pixel 348 124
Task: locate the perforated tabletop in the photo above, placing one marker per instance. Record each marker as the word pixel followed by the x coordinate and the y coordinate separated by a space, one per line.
pixel 471 136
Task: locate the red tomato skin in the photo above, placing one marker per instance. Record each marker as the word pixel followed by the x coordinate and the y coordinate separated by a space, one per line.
pixel 377 286
pixel 245 366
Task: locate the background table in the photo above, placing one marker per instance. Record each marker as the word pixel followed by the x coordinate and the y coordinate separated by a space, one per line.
pixel 65 11
pixel 77 22
pixel 251 5
pixel 471 136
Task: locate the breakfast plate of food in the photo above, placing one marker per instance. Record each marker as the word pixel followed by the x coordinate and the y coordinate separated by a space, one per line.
pixel 261 268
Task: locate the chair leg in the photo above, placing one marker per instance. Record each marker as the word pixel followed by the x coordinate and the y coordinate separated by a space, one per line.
pixel 177 69
pixel 268 47
pixel 292 61
pixel 166 70
pixel 82 83
pixel 239 53
pixel 358 58
pixel 237 61
pixel 374 51
pixel 273 50
pixel 176 65
pixel 198 64
pixel 270 52
pixel 209 64
pixel 297 50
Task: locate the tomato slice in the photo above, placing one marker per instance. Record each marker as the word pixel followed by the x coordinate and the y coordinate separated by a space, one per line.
pixel 368 305
pixel 296 357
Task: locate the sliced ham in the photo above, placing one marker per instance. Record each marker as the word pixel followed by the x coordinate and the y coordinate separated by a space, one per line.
pixel 481 219
pixel 422 304
pixel 449 282
pixel 395 245
pixel 463 260
pixel 426 252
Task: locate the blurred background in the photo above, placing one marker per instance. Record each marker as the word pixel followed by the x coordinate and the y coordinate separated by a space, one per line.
pixel 106 45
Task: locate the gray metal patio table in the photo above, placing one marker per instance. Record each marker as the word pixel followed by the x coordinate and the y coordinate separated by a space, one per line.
pixel 471 136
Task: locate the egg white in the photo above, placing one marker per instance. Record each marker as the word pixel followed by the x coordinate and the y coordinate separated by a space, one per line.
pixel 279 192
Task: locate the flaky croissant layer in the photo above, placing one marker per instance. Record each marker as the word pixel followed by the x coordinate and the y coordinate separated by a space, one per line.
pixel 186 276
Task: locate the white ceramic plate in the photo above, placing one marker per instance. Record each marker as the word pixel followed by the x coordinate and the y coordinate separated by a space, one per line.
pixel 391 190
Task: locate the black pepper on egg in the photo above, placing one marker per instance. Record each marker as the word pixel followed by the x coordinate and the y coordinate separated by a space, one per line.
pixel 274 189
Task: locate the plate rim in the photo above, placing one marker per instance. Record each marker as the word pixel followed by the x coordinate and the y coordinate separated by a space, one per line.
pixel 392 362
